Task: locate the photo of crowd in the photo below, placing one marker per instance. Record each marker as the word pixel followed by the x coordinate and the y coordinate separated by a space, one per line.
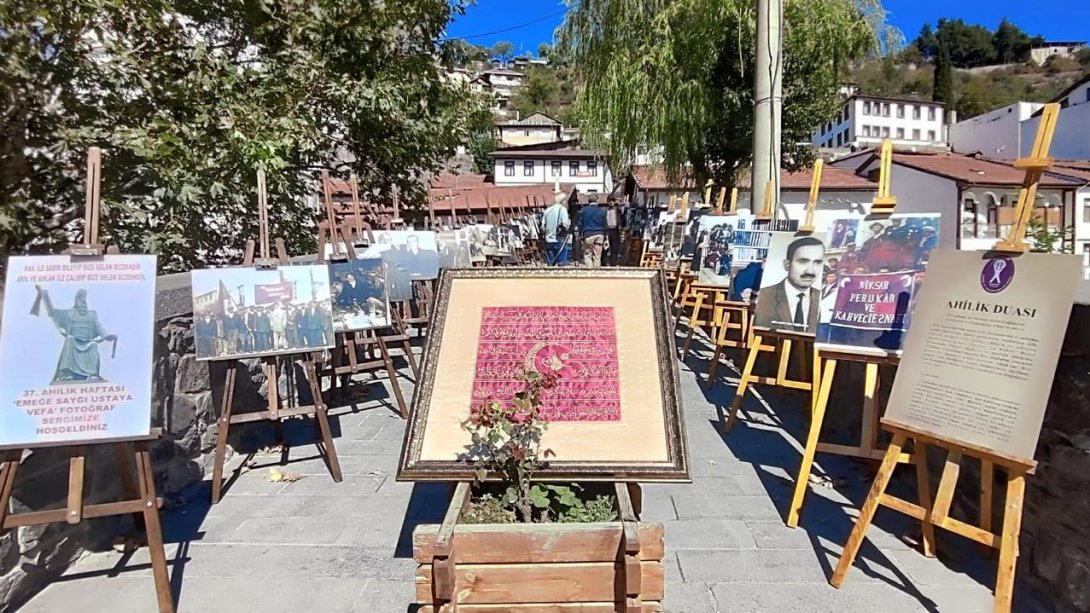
pixel 898 243
pixel 408 250
pixel 248 312
pixel 359 295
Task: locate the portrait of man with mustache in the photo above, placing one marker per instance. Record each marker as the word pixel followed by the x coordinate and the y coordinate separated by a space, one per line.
pixel 794 303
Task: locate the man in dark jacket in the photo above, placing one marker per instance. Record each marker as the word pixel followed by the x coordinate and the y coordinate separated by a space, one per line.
pixel 592 221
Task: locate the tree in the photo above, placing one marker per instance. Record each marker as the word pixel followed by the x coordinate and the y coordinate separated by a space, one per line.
pixel 187 100
pixel 943 90
pixel 927 42
pixel 544 50
pixel 1083 57
pixel 969 45
pixel 1011 43
pixel 538 92
pixel 503 50
pixel 679 75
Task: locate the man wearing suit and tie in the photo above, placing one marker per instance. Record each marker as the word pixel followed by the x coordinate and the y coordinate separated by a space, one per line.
pixel 794 304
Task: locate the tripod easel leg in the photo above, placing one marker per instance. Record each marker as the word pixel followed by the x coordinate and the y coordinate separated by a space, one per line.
pixel 146 478
pixel 8 468
pixel 923 484
pixel 224 426
pixel 393 377
pixel 817 418
pixel 866 514
pixel 987 483
pixel 720 341
pixel 743 383
pixel 321 416
pixel 1008 544
pixel 122 454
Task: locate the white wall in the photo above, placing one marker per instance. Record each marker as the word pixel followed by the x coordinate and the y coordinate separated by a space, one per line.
pixel 1079 95
pixel 1082 227
pixel 527 135
pixel 542 173
pixel 996 134
pixel 920 192
pixel 1072 138
pixel 864 130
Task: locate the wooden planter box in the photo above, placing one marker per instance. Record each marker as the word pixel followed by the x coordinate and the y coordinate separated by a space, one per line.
pixel 589 568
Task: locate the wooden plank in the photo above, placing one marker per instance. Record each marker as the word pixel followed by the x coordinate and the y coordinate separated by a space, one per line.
pixel 860 452
pixel 1008 550
pixel 817 418
pixel 51 516
pixel 518 543
pixel 542 583
pixel 558 607
pixel 987 495
pixel 969 449
pixel 945 495
pixel 76 465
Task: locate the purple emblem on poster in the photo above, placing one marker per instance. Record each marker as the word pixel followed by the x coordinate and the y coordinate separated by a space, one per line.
pixel 997 274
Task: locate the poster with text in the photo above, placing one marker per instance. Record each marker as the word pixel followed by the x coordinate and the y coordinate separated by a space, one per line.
pixel 76 351
pixel 790 296
pixel 872 282
pixel 249 312
pixel 980 357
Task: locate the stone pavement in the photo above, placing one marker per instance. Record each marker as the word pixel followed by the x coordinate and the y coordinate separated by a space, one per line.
pixel 314 545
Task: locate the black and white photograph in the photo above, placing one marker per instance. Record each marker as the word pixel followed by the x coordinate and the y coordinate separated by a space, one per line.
pixel 454 249
pixel 413 251
pixel 790 296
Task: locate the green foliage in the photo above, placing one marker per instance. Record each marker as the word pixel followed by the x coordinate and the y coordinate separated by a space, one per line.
pixel 187 100
pixel 1049 239
pixel 1083 57
pixel 503 50
pixel 1011 43
pixel 968 45
pixel 927 43
pixel 551 503
pixel 539 92
pixel 943 89
pixel 679 74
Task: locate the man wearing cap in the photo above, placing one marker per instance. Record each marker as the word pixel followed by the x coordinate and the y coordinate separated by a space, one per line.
pixel 557 225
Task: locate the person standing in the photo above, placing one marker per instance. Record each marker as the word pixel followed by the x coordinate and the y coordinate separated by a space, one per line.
pixel 592 219
pixel 278 319
pixel 613 232
pixel 557 225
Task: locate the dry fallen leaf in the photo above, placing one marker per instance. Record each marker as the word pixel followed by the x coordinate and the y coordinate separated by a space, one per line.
pixel 277 476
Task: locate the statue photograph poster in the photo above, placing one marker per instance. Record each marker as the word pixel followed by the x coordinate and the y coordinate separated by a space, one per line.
pixel 76 348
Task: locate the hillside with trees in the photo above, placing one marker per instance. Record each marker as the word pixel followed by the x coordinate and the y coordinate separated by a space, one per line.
pixel 971 69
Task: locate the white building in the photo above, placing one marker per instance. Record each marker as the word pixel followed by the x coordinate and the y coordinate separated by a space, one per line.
pixel 533 129
pixel 563 161
pixel 843 195
pixel 866 121
pixel 1042 51
pixel 1072 138
pixel 996 134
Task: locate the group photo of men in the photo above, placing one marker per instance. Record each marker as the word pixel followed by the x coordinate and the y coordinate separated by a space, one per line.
pixel 360 301
pixel 243 312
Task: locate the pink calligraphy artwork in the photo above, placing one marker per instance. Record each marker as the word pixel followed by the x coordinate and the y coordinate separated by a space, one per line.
pixel 577 344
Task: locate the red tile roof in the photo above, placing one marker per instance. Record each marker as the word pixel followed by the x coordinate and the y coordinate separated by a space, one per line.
pixel 974 171
pixel 446 180
pixel 832 179
pixel 488 195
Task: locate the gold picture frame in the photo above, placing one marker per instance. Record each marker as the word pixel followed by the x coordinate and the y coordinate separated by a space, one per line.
pixel 635 432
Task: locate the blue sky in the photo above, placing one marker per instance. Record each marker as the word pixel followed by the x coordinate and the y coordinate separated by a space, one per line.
pixel 1061 19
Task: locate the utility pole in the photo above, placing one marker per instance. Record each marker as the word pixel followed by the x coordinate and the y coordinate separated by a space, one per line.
pixel 767 104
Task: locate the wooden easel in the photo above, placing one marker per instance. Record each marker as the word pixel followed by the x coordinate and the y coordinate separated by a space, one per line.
pixel 140 498
pixel 783 339
pixel 444 558
pixel 706 312
pixel 936 514
pixel 767 211
pixel 732 315
pixel 349 344
pixel 825 362
pixel 273 411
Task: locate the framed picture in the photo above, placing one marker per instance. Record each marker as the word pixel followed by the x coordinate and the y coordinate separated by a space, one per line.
pixel 616 411
pixel 358 289
pixel 878 274
pixel 791 287
pixel 77 349
pixel 453 246
pixel 251 312
pixel 409 251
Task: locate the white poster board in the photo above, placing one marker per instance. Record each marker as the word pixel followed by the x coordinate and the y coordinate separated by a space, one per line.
pixel 981 354
pixel 76 349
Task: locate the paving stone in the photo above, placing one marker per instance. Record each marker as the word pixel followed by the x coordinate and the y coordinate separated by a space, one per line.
pixel 708 533
pixel 750 566
pixel 688 598
pixel 690 506
pixel 288 530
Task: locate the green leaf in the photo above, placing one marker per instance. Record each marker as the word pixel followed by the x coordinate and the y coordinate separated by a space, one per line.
pixel 539 497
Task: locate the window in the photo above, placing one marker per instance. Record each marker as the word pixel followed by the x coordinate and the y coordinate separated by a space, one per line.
pixel 557 168
pixel 915 112
pixel 592 168
pixel 885 109
pixel 900 133
pixel 900 111
pixel 931 114
pixel 573 168
pixel 525 132
pixel 839 140
pixel 844 115
pixel 885 132
pixel 509 169
pixel 866 108
pixel 1086 254
pixel 527 169
pixel 1086 211
pixel 931 135
pixel 915 135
